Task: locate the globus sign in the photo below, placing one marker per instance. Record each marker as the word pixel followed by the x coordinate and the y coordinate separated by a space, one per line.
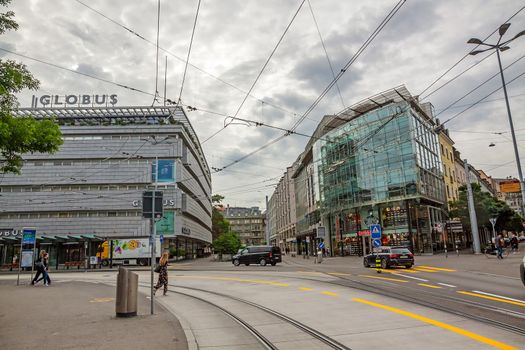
pixel 73 100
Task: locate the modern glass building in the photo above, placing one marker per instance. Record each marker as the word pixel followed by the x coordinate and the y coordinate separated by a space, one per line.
pixel 378 162
pixel 91 189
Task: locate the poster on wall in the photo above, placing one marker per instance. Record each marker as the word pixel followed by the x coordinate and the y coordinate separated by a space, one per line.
pixel 27 258
pixel 166 171
pixel 166 225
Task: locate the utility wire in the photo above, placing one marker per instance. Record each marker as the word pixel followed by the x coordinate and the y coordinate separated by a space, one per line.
pixel 467 54
pixel 261 71
pixel 157 58
pixel 189 51
pixel 184 61
pixel 326 53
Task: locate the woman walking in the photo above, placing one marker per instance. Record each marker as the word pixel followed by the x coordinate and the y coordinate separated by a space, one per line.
pixel 40 268
pixel 163 274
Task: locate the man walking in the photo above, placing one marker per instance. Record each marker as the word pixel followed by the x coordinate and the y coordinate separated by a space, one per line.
pixel 499 246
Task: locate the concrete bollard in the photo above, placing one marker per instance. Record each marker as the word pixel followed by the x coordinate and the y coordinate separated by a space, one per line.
pixel 127 289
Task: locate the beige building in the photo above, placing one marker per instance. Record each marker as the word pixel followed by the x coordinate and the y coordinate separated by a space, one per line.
pixel 282 214
pixel 249 223
pixel 449 166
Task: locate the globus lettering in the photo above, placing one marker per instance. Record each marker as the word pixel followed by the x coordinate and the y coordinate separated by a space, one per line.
pixel 73 100
pixel 166 203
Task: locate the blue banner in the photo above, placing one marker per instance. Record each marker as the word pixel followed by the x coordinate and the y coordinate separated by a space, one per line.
pixel 166 171
pixel 28 236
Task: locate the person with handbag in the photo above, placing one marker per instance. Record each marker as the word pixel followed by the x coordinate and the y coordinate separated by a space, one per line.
pixel 162 269
pixel 40 268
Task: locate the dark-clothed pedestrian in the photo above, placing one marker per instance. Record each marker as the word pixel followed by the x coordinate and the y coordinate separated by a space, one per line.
pixel 45 273
pixel 163 274
pixel 514 243
pixel 499 246
pixel 39 266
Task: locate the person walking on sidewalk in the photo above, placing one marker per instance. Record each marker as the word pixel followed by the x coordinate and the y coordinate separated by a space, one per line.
pixel 514 243
pixel 499 246
pixel 163 274
pixel 45 273
pixel 39 265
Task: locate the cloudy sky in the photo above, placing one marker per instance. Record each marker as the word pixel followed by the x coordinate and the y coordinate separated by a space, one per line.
pixel 234 38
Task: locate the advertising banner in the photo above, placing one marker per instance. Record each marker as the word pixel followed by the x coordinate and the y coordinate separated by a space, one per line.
pixel 27 258
pixel 510 186
pixel 166 225
pixel 166 171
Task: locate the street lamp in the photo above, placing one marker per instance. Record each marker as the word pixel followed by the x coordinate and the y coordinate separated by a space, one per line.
pixel 502 46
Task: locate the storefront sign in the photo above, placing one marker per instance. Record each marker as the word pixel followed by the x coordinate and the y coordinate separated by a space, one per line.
pixel 167 203
pixel 364 233
pixel 186 230
pixel 8 232
pixel 73 100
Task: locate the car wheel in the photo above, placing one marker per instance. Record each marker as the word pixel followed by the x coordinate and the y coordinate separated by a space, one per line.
pixel 247 264
pixel 236 262
pixel 262 262
pixel 143 262
pixel 384 264
pixel 365 263
pixel 273 264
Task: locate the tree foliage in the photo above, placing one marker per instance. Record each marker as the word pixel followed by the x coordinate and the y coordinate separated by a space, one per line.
pixel 19 135
pixel 219 224
pixel 486 207
pixel 227 243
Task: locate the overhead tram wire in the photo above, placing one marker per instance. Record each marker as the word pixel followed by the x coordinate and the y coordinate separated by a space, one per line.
pixel 372 36
pixel 363 47
pixel 189 51
pixel 467 54
pixel 138 35
pixel 326 53
pixel 261 71
pixel 478 86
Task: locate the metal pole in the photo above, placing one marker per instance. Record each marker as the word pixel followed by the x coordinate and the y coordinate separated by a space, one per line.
pixel 516 153
pixel 20 260
pixel 153 234
pixel 472 213
pixel 267 231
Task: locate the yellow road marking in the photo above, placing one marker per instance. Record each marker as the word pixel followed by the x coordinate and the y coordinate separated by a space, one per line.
pixel 306 289
pixel 384 278
pixel 423 270
pixel 451 328
pixel 428 285
pixel 101 300
pixel 238 280
pixel 407 270
pixel 311 272
pixel 330 293
pixel 339 274
pixel 437 268
pixel 492 298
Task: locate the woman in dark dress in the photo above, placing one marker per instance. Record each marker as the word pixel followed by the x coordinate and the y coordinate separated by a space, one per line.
pixel 163 274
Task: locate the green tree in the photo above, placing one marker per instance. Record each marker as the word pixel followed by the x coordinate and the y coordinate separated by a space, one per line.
pixel 19 135
pixel 227 243
pixel 219 224
pixel 486 208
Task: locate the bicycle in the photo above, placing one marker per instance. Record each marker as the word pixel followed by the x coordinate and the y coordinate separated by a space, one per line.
pixel 492 251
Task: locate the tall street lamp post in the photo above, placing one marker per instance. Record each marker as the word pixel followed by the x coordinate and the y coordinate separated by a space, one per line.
pixel 502 46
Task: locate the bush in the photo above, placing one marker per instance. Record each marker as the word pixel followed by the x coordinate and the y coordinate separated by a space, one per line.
pixel 227 243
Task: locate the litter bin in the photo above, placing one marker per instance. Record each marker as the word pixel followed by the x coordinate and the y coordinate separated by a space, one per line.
pixel 319 257
pixel 127 287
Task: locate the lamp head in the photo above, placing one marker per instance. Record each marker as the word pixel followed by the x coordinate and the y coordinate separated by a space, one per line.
pixel 504 48
pixel 474 41
pixel 503 28
pixel 519 34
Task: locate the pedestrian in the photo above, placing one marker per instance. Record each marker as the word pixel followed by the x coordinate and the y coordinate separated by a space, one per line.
pixel 514 243
pixel 45 273
pixel 499 246
pixel 13 262
pixel 39 266
pixel 163 274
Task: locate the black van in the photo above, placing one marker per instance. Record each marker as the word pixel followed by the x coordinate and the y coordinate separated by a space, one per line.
pixel 262 255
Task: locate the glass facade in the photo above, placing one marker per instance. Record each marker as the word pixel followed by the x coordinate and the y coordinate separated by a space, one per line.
pixel 381 167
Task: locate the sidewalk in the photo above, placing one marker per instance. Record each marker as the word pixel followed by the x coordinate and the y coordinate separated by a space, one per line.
pixel 78 315
pixel 509 266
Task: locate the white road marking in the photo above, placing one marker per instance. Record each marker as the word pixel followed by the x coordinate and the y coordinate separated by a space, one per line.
pixel 447 285
pixel 414 278
pixel 498 296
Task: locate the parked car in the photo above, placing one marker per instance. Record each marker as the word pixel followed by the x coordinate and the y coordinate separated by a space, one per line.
pixel 390 256
pixel 522 271
pixel 261 255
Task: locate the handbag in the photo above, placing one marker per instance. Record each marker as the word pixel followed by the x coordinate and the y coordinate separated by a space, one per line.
pixel 157 269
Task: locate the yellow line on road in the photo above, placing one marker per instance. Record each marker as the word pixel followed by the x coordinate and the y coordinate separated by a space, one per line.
pixel 101 300
pixel 423 270
pixel 237 280
pixel 339 274
pixel 330 294
pixel 437 268
pixel 384 278
pixel 306 289
pixel 492 298
pixel 428 285
pixel 451 328
pixel 310 272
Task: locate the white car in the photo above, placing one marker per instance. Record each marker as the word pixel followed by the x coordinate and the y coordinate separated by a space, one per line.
pixel 522 271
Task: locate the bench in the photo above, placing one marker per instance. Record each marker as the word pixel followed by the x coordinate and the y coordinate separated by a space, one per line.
pixel 69 264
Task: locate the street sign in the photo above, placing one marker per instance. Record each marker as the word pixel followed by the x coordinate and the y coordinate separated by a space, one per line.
pixel 28 236
pixel 27 258
pixel 161 237
pixel 376 243
pixel 493 221
pixel 321 245
pixel 321 232
pixel 375 230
